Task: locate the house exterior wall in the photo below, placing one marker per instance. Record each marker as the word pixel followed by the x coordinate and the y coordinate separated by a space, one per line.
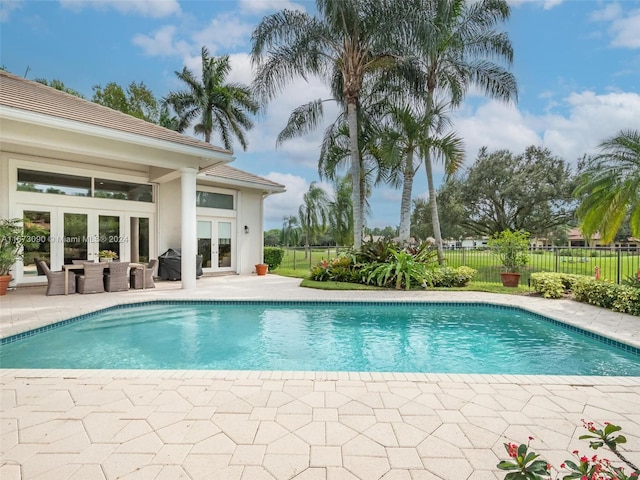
pixel 165 212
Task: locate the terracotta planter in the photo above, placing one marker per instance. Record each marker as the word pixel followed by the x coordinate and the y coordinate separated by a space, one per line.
pixel 4 283
pixel 510 279
pixel 261 268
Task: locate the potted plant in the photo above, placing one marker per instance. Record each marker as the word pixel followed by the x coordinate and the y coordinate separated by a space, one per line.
pixel 11 243
pixel 261 268
pixel 107 255
pixel 513 250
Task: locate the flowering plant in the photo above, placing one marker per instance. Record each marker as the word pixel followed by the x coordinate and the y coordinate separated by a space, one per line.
pixel 107 254
pixel 526 466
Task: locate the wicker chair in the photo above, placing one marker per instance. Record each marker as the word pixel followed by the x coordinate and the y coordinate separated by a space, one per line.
pixel 116 280
pixel 136 279
pixel 55 280
pixel 39 269
pixel 91 281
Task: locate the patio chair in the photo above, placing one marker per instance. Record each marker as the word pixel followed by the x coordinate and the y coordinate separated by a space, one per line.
pixel 136 279
pixel 55 280
pixel 91 281
pixel 116 279
pixel 37 261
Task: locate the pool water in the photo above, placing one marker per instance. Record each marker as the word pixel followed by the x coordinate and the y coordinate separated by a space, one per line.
pixel 380 337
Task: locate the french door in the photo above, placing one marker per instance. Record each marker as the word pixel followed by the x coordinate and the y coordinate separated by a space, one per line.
pixel 60 235
pixel 216 244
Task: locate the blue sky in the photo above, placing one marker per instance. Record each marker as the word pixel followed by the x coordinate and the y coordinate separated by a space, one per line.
pixel 577 64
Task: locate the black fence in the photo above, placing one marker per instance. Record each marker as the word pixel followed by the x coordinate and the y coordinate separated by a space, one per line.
pixel 614 264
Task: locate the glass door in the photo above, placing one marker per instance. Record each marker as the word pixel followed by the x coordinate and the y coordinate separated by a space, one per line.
pixel 216 245
pixel 37 245
pixel 75 237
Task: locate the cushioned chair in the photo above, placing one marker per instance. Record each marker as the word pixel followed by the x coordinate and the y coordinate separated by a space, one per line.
pixel 55 280
pixel 37 261
pixel 116 280
pixel 136 279
pixel 91 281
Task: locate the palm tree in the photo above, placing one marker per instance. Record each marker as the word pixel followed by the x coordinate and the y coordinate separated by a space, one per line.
pixel 611 187
pixel 313 212
pixel 290 234
pixel 341 212
pixel 349 39
pixel 220 106
pixel 458 53
pixel 404 137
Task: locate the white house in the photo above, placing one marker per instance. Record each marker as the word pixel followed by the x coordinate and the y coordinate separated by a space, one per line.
pixel 88 178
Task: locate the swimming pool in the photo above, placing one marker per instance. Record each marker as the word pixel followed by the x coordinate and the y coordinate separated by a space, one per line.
pixel 320 336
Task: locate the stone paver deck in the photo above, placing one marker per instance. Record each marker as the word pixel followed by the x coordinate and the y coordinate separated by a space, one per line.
pixel 246 425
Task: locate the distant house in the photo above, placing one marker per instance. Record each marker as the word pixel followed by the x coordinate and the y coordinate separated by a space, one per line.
pixel 577 239
pixel 88 178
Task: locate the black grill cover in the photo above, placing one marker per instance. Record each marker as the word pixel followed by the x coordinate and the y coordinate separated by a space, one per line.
pixel 169 265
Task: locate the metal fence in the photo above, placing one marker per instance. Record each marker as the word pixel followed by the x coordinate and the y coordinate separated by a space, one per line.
pixel 614 264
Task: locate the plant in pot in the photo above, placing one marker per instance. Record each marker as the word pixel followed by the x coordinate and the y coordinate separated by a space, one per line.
pixel 513 250
pixel 107 255
pixel 11 243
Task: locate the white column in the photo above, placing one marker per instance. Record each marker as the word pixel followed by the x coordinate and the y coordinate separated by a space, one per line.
pixel 188 241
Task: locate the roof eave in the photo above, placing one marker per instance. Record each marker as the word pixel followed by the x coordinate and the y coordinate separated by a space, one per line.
pixel 243 183
pixel 206 157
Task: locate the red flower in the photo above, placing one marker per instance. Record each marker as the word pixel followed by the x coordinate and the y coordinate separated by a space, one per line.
pixel 512 450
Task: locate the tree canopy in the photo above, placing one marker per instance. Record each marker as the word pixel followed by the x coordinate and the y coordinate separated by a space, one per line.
pixel 137 100
pixel 531 191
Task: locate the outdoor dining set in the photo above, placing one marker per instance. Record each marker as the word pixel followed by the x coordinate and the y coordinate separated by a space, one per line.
pixel 90 277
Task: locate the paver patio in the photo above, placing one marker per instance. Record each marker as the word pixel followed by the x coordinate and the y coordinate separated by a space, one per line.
pixel 108 424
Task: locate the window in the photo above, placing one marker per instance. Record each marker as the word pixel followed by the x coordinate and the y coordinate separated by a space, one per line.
pixel 48 182
pixel 214 200
pixel 122 190
pixel 61 184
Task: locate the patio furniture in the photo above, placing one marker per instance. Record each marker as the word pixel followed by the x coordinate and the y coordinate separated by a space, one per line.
pixel 115 280
pixel 91 281
pixel 55 280
pixel 36 262
pixel 143 277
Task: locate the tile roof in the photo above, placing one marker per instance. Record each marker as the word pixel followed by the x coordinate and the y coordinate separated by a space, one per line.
pixel 232 174
pixel 23 94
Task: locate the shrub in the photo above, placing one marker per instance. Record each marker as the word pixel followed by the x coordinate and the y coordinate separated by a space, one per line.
pixel 340 269
pixel 553 285
pixel 273 257
pixel 400 271
pixel 619 298
pixel 450 277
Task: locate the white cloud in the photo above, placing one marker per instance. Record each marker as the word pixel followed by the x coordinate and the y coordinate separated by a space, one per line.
pixel 590 119
pixel 276 207
pixel 546 4
pixel 162 43
pixel 146 8
pixel 610 12
pixel 261 6
pixel 625 31
pixel 226 31
pixel 624 26
pixel 7 7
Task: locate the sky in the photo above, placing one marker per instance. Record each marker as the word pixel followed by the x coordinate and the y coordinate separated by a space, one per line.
pixel 577 64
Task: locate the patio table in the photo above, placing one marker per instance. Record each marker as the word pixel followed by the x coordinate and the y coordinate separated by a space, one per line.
pixel 67 267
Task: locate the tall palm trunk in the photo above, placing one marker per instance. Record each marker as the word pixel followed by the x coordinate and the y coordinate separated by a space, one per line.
pixel 358 217
pixel 405 203
pixel 435 218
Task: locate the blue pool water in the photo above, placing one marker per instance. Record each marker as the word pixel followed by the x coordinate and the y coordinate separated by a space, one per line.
pixel 382 337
